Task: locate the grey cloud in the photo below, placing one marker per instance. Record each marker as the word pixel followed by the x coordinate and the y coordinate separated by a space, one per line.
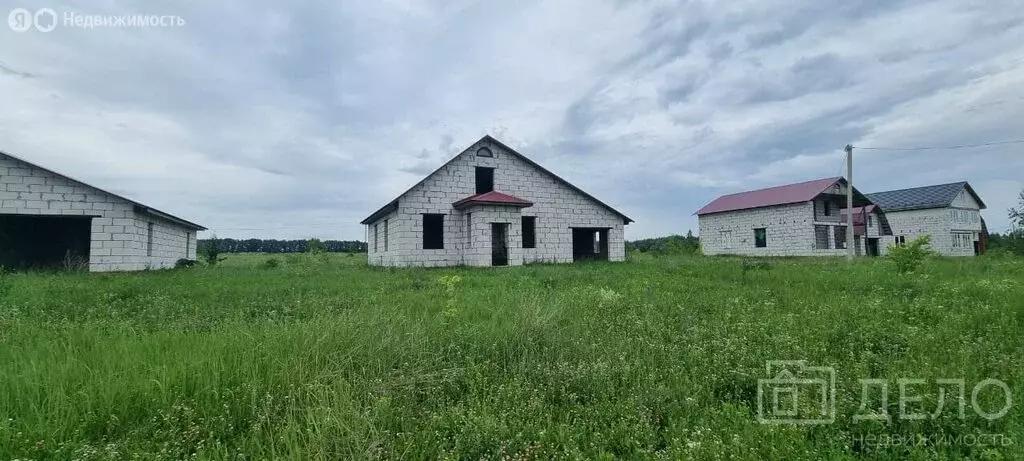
pixel 319 113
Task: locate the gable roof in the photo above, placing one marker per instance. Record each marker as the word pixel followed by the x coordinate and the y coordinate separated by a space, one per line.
pixel 919 198
pixel 139 207
pixel 778 195
pixel 393 205
pixel 493 198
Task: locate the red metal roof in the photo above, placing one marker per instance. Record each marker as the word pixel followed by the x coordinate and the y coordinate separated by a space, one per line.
pixel 778 195
pixel 493 198
pixel 859 213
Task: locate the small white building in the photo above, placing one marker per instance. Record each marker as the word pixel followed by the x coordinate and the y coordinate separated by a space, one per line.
pixel 492 206
pixel 802 219
pixel 48 220
pixel 950 213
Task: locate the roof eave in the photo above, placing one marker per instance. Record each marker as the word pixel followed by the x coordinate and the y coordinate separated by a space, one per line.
pixel 167 217
pixel 468 203
pixel 376 215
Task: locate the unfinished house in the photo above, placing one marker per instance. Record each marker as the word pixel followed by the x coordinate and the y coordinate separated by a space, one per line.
pixel 802 219
pixel 48 221
pixel 949 213
pixel 492 206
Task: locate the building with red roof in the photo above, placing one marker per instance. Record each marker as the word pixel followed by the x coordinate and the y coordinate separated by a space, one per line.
pixel 802 219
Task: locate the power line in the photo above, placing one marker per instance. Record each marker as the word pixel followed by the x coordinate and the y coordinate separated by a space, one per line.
pixel 962 146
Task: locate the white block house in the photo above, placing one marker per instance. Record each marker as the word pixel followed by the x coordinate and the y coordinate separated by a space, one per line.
pixel 950 213
pixel 802 219
pixel 492 206
pixel 48 220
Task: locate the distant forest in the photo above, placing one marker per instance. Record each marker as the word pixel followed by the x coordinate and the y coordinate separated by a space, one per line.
pixel 673 244
pixel 279 246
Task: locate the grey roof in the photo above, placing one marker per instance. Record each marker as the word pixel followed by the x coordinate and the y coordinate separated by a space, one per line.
pixel 918 198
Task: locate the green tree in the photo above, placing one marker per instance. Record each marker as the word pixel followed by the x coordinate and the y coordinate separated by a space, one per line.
pixel 1017 214
pixel 210 252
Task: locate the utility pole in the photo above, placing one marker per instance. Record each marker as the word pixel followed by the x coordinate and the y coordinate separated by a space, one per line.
pixel 850 250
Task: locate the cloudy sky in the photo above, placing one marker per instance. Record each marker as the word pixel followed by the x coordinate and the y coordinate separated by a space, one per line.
pixel 296 119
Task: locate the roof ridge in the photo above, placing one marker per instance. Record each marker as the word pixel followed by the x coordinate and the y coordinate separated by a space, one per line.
pixel 835 178
pixel 918 187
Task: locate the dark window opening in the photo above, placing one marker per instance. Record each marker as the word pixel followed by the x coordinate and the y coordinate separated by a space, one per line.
pixel 149 239
pixel 376 236
pixel 484 152
pixel 433 231
pixel 385 235
pixel 484 179
pixel 828 209
pixel 760 237
pixel 45 242
pixel 529 232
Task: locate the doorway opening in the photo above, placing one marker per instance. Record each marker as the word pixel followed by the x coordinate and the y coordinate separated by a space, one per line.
pixel 872 249
pixel 589 244
pixel 44 242
pixel 499 244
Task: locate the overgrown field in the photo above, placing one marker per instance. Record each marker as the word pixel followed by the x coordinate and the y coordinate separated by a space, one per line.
pixel 659 357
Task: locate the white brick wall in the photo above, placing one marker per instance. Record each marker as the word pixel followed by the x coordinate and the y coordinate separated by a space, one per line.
pixel 789 231
pixel 119 233
pixel 556 206
pixel 940 223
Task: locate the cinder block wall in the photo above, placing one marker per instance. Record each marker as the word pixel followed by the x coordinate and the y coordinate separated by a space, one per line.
pixel 557 207
pixel 937 222
pixel 118 236
pixel 789 229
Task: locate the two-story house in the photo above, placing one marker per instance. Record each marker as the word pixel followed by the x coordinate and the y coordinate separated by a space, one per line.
pixel 492 206
pixel 950 213
pixel 802 219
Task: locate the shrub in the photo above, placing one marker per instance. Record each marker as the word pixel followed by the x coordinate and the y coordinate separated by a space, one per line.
pixel 908 257
pixel 271 263
pixel 210 252
pixel 184 263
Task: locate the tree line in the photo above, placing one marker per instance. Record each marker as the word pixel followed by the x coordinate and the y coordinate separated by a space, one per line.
pixel 673 244
pixel 229 245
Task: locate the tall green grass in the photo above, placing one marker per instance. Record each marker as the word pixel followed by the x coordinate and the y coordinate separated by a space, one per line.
pixel 325 358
